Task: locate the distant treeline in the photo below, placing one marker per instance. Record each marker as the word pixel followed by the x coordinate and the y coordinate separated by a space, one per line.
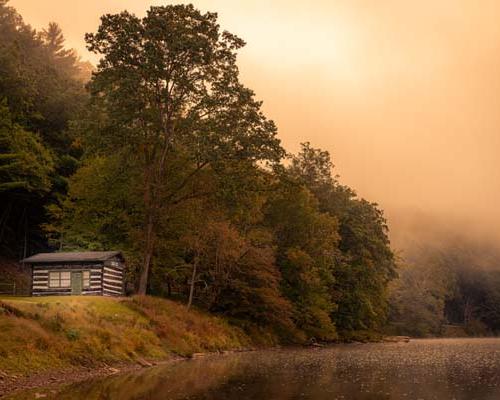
pixel 448 287
pixel 167 156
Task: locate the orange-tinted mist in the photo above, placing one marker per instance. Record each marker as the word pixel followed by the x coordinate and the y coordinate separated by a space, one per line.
pixel 404 94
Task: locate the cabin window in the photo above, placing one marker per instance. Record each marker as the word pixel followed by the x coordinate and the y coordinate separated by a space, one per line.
pixel 114 263
pixel 86 279
pixel 59 279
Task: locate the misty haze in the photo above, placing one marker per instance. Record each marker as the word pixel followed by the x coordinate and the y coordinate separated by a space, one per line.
pixel 249 199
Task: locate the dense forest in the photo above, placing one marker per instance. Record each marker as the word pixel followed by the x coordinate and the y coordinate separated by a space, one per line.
pixel 162 152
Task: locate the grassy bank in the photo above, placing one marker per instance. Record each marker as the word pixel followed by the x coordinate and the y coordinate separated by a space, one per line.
pixel 44 334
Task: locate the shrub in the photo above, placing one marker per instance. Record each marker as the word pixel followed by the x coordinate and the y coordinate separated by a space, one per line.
pixel 72 334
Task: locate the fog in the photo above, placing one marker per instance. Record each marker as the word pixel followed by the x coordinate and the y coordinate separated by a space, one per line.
pixel 405 95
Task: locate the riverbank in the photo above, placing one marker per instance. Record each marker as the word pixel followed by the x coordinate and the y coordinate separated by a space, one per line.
pixel 420 369
pixel 51 340
pixel 57 378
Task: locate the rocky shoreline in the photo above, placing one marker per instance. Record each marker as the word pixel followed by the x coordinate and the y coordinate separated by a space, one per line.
pixel 10 384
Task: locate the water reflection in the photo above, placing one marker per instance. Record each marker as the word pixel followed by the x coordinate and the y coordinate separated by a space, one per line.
pixel 423 369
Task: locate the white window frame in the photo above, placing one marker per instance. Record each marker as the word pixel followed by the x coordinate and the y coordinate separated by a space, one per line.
pixel 57 276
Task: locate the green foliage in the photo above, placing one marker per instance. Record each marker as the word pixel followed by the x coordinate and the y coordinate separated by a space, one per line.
pixel 173 162
pixel 25 164
pixel 40 91
pixel 364 262
pixel 97 212
pixel 366 267
pixel 307 244
pixel 169 83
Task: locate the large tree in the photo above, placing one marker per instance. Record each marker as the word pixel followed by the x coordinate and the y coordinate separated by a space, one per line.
pixel 166 82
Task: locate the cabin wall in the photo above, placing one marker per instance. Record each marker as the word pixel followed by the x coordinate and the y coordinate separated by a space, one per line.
pixel 112 280
pixel 40 276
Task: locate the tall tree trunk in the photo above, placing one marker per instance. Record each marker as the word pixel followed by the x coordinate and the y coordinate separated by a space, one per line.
pixel 153 178
pixel 148 255
pixel 191 284
pixel 148 228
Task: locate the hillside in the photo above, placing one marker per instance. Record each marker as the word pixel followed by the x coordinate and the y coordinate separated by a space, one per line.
pixel 47 334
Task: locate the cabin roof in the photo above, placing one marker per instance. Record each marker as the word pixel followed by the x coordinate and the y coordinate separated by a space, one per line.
pixel 83 256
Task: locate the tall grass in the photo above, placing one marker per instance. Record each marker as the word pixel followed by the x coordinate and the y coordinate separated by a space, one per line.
pixel 47 333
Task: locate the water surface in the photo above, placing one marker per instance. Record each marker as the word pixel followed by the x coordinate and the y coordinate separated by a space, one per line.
pixel 422 369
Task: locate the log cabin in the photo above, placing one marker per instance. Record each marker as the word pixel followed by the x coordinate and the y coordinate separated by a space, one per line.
pixel 97 273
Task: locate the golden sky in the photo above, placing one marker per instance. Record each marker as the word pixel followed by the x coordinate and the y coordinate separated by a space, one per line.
pixel 404 94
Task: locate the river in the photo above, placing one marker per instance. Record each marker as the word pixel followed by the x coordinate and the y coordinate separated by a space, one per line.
pixel 441 369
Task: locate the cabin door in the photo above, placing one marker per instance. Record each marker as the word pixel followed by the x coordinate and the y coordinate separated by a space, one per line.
pixel 76 283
